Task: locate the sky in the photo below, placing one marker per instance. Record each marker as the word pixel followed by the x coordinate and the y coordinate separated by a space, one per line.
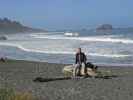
pixel 68 14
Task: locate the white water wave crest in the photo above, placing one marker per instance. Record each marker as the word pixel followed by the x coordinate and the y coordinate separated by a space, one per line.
pixel 91 39
pixel 64 52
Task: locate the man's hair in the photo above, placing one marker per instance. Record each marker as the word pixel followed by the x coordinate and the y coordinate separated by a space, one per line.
pixel 79 48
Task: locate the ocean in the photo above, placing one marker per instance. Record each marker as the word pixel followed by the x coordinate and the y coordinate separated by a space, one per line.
pixel 58 47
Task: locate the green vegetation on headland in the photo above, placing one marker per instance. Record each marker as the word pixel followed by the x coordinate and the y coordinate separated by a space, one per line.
pixel 8 27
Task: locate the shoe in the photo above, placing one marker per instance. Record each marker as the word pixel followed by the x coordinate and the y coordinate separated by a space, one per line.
pixel 86 76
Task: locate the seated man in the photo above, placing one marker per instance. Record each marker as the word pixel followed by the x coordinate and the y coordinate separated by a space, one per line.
pixel 80 61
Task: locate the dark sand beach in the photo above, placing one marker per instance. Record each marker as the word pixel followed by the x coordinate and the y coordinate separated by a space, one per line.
pixel 20 75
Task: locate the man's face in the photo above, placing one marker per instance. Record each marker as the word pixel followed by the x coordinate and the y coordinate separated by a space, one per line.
pixel 78 50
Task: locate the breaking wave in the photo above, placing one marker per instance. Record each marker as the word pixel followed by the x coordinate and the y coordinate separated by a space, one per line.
pixel 63 52
pixel 91 39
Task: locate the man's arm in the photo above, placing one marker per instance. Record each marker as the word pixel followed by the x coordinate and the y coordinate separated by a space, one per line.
pixel 76 59
pixel 85 58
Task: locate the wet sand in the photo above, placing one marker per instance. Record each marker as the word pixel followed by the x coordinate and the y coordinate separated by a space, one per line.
pixel 20 75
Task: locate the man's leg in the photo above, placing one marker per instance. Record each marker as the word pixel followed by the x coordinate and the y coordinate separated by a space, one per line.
pixel 79 70
pixel 85 68
pixel 76 70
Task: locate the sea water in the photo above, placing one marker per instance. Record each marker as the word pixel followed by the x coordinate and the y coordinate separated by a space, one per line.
pixel 56 47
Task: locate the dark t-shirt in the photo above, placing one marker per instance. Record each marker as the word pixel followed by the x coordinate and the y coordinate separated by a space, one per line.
pixel 80 58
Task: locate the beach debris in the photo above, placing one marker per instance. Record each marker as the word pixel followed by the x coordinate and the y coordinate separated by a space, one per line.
pixel 2 59
pixel 70 71
pixel 106 74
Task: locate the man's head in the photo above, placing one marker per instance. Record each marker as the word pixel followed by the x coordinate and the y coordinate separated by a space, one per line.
pixel 79 50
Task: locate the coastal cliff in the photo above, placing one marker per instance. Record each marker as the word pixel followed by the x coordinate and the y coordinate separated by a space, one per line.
pixel 8 26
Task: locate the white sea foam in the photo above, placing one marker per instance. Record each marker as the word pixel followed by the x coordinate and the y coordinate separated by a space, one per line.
pixel 109 55
pixel 64 52
pixel 91 39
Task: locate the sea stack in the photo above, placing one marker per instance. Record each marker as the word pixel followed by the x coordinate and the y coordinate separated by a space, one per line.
pixel 105 27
